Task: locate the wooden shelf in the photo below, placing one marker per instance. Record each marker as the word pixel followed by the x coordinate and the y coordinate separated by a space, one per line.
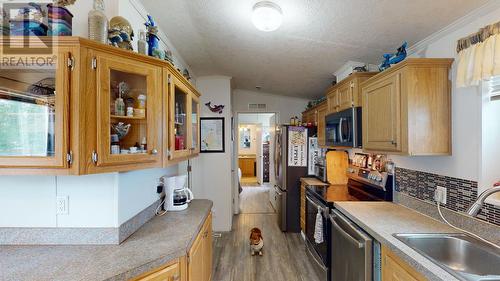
pixel 128 117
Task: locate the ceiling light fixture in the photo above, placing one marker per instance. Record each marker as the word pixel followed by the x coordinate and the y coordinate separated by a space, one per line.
pixel 267 16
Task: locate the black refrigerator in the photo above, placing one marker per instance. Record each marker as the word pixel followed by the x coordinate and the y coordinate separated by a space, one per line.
pixel 290 162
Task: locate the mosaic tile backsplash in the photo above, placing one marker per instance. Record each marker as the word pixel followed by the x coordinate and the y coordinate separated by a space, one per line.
pixel 461 193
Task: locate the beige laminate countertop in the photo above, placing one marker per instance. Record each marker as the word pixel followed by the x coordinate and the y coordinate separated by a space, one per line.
pixel 313 182
pixel 159 241
pixel 383 219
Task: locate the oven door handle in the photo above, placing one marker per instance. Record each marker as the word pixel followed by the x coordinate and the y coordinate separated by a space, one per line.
pixel 340 130
pixel 316 205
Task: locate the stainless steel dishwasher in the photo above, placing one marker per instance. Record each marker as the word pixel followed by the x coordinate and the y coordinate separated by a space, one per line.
pixel 351 250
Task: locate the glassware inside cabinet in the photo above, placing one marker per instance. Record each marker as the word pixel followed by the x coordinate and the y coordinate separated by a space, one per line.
pixel 194 124
pixel 180 125
pixel 128 120
pixel 28 112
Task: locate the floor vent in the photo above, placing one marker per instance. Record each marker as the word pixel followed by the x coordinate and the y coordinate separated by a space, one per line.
pixel 257 106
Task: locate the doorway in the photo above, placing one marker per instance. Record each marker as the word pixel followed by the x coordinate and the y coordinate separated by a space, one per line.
pixel 254 152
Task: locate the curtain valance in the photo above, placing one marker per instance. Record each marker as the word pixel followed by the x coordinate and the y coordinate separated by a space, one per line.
pixel 479 56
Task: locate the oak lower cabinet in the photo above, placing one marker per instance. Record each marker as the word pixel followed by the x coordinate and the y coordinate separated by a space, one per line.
pixel 172 271
pixel 395 269
pixel 86 107
pixel 195 266
pixel 407 109
pixel 303 187
pixel 200 255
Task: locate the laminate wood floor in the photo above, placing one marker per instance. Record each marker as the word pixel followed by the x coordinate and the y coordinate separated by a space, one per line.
pixel 255 200
pixel 284 256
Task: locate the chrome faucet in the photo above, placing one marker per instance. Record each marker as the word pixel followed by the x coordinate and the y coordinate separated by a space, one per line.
pixel 476 207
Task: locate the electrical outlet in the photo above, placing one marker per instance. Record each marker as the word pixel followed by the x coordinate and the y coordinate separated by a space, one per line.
pixel 440 195
pixel 62 205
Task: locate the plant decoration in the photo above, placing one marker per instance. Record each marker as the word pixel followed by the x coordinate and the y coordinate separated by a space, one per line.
pixel 120 33
pixel 215 108
pixel 313 103
pixel 390 58
pixel 153 39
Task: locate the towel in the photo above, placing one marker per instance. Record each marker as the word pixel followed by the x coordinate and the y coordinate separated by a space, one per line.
pixel 318 228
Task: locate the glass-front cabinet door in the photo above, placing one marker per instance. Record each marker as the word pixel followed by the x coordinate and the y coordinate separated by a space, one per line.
pixel 180 119
pixel 195 124
pixel 128 98
pixel 34 110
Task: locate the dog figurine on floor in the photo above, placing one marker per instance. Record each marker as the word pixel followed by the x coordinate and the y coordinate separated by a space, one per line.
pixel 256 241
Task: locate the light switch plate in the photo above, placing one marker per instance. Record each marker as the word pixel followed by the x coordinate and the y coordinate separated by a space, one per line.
pixel 62 205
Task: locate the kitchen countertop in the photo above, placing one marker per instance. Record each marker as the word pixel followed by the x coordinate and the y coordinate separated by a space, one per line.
pixel 157 242
pixel 313 182
pixel 382 219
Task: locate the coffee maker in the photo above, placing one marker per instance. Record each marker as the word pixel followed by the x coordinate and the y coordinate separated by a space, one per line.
pixel 178 195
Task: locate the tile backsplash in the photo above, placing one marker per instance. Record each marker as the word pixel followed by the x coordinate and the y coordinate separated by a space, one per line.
pixel 461 193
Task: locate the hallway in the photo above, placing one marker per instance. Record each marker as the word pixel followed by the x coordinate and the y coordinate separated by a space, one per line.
pixel 284 258
pixel 255 200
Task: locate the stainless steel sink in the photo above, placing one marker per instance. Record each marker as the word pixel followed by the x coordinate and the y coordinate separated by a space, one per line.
pixel 462 256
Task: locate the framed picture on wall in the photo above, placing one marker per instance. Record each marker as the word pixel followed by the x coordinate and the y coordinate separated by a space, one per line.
pixel 212 135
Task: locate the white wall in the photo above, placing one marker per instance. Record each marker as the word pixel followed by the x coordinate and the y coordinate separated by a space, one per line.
pixel 490 168
pixel 286 107
pixel 466 102
pixel 212 171
pixel 105 200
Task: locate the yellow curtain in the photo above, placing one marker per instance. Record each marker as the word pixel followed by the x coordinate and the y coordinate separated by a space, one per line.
pixel 478 57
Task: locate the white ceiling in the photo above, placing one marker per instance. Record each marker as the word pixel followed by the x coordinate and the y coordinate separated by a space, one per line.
pixel 316 38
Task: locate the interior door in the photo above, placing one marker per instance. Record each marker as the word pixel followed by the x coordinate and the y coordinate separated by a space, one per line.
pixel 127 111
pixel 34 112
pixel 382 115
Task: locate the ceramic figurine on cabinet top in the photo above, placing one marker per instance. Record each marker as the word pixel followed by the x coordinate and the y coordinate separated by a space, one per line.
pixel 120 33
pixel 153 39
pixel 390 59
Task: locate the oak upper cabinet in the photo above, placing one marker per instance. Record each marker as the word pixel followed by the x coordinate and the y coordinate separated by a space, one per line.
pixel 128 105
pixel 407 109
pixel 332 99
pixel 195 123
pixel 321 114
pixel 395 269
pixel 181 127
pixel 347 93
pixel 200 254
pixel 34 111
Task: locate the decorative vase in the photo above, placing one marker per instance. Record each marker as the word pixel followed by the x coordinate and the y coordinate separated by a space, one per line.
pixel 98 23
pixel 60 21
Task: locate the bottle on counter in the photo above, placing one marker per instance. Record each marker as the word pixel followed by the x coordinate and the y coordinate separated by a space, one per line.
pixel 144 145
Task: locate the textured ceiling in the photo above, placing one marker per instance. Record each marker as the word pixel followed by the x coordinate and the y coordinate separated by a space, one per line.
pixel 316 38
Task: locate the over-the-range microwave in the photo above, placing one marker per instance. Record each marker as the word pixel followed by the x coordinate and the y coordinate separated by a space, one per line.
pixel 343 129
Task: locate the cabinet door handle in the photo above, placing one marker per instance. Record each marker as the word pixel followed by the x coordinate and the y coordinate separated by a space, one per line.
pixel 394 142
pixel 154 151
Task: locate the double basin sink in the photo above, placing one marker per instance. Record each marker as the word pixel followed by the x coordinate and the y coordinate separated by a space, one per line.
pixel 463 256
